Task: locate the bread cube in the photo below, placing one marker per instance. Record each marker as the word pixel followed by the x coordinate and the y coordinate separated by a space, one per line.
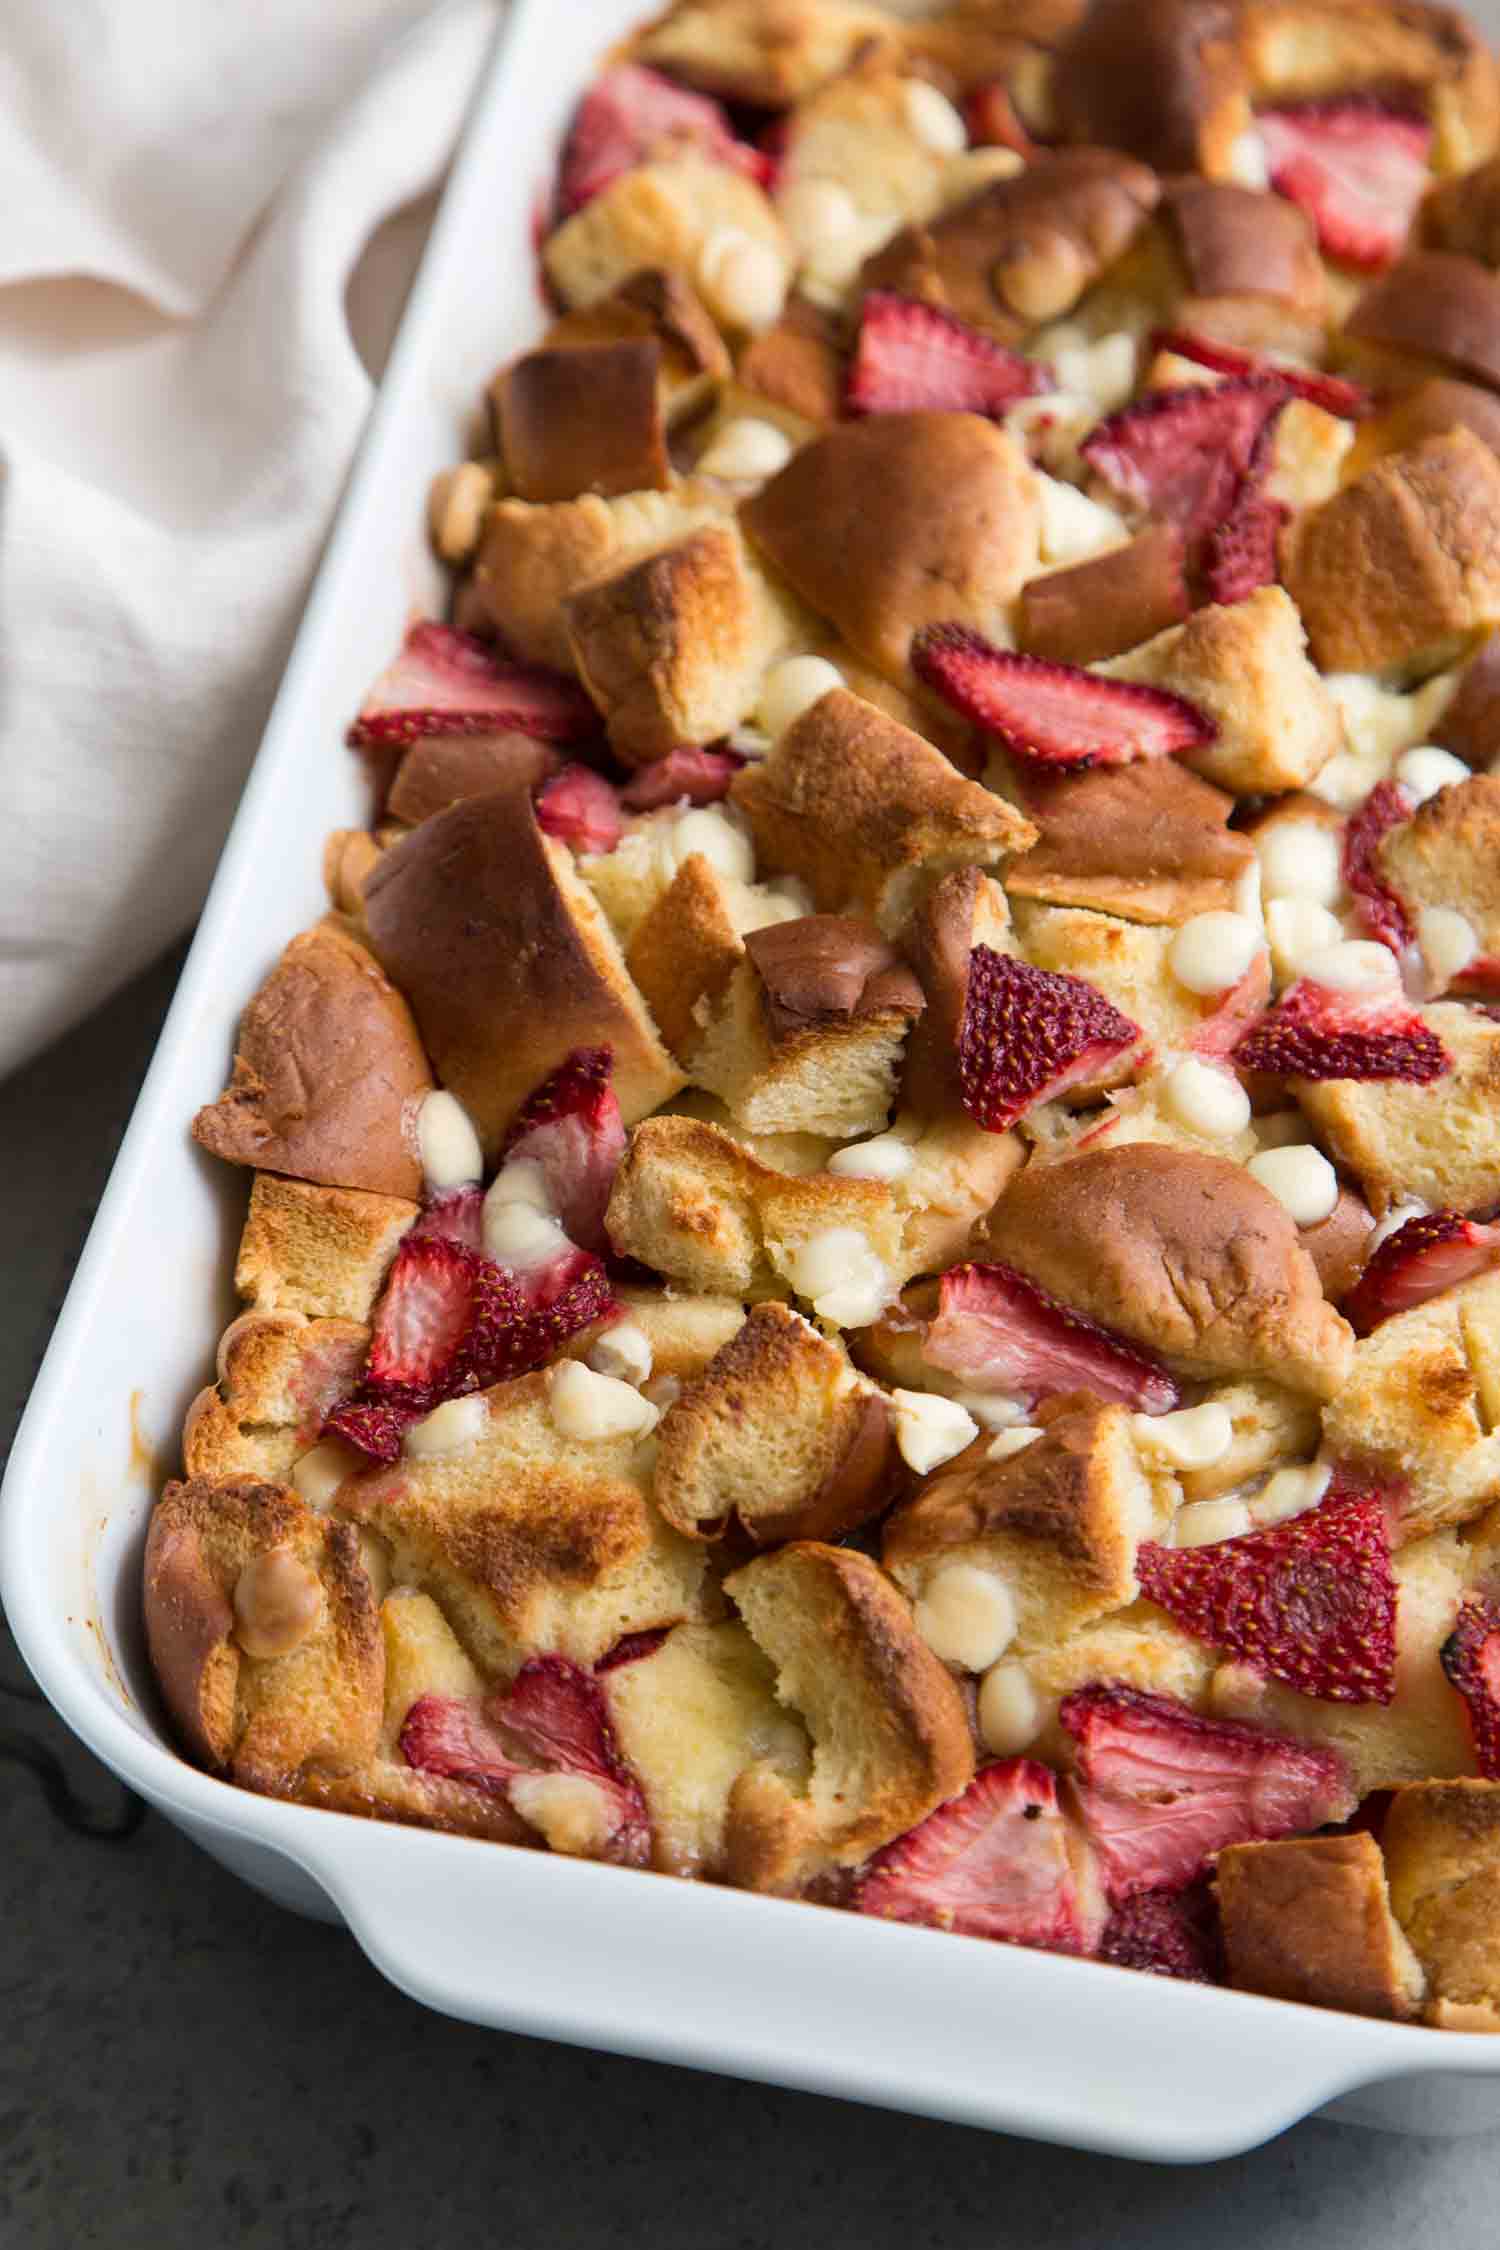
pixel 1309 1918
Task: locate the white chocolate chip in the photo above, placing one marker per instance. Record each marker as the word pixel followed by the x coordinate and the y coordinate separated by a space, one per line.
pixel 1425 770
pixel 319 1473
pixel 1353 965
pixel 1006 1443
pixel 1010 1710
pixel 1394 1220
pixel 992 1410
pixel 1212 952
pixel 1300 859
pixel 1449 942
pixel 572 1812
pixel 1290 1492
pixel 585 1405
pixel 1298 928
pixel 742 277
pixel 747 451
pixel 447 1429
pixel 1346 780
pixel 975 168
pixel 1206 1099
pixel 1246 162
pixel 930 1430
pixel 456 502
pixel 522 1180
pixel 884 1158
pixel 663 1391
pixel 520 1236
pixel 1204 1523
pixel 1195 1437
pixel 1074 526
pixel 933 118
pixel 792 687
pixel 967 1616
pixel 1301 1179
pixel 447 1144
pixel 716 836
pixel 821 216
pixel 623 1351
pixel 841 1276
pixel 277 1603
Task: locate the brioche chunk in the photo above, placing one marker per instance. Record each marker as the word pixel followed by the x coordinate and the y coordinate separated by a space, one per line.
pixel 1440 1143
pixel 682 1332
pixel 965 909
pixel 1309 1918
pixel 1448 854
pixel 555 440
pixel 889 1733
pixel 684 949
pixel 1442 1855
pixel 318 1251
pixel 658 307
pixel 1298 51
pixel 435 772
pixel 1148 842
pixel 279 1376
pixel 767 52
pixel 532 557
pixel 661 214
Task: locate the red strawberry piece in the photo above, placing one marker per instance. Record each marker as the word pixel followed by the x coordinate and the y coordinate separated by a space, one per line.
pixel 1311 1602
pixel 700 776
pixel 1161 1790
pixel 1331 392
pixel 912 357
pixel 446 682
pixel 1028 1034
pixel 1315 1032
pixel 455 1217
pixel 423 1320
pixel 1167 1933
pixel 1058 715
pixel 373 1426
pixel 572 1127
pixel 556 1301
pixel 1420 1260
pixel 1356 166
pixel 581 809
pixel 994 121
pixel 993 1863
pixel 456 1738
pixel 999 1331
pixel 631 1647
pixel 1381 911
pixel 630 115
pixel 1221 1030
pixel 1242 554
pixel 1471 1659
pixel 1181 454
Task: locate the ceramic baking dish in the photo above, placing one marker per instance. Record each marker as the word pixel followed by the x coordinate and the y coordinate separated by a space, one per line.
pixel 952 2027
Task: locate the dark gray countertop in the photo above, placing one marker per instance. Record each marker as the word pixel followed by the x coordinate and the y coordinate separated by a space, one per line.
pixel 184 2067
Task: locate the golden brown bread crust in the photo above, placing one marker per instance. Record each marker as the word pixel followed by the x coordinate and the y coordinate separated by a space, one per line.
pixel 1160 78
pixel 1106 605
pixel 1470 726
pixel 440 768
pixel 1448 854
pixel 798 365
pixel 279 1377
pixel 828 968
pixel 1463 215
pixel 1442 1853
pixel 766 52
pixel 902 521
pixel 1185 1254
pixel 508 962
pixel 1149 842
pixel 867 813
pixel 1439 404
pixel 964 910
pixel 661 306
pixel 328 1072
pixel 1235 242
pixel 583 418
pixel 684 951
pixel 318 1251
pixel 1339 1245
pixel 1439 305
pixel 531 558
pixel 1309 1918
pixel 1403 563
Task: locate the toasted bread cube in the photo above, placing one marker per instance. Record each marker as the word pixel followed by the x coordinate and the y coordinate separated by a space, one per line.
pixel 771 53
pixel 658 307
pixel 663 214
pixel 859 131
pixel 683 1332
pixel 1309 1918
pixel 1128 963
pixel 279 1376
pixel 317 1251
pixel 1148 842
pixel 1139 1645
pixel 1448 854
pixel 555 441
pixel 532 556
pixel 1442 1856
pixel 684 950
pixel 423 1656
pixel 1308 451
pixel 1296 50
pixel 1439 1142
pixel 958 1174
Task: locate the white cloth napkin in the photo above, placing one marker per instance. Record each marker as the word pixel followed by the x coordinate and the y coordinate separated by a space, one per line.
pixel 188 198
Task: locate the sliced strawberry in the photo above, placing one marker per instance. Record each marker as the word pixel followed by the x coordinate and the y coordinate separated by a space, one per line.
pixel 1220 1031
pixel 1471 1659
pixel 572 1127
pixel 1057 715
pixel 423 1320
pixel 1316 1032
pixel 1242 550
pixel 1167 1933
pixel 557 1301
pixel 1331 392
pixel 999 1331
pixel 373 1426
pixel 580 809
pixel 1356 166
pixel 457 1738
pixel 1161 1790
pixel 1181 454
pixel 994 121
pixel 1311 1602
pixel 1420 1260
pixel 993 1863
pixel 1028 1034
pixel 455 1217
pixel 702 777
pixel 1381 911
pixel 446 682
pixel 912 357
pixel 630 115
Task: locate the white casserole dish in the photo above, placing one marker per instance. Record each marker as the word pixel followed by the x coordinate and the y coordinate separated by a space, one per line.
pixel 954 2028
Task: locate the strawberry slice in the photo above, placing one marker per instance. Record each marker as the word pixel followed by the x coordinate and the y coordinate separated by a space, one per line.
pixel 1167 1933
pixel 1421 1259
pixel 424 1317
pixel 993 1863
pixel 572 1127
pixel 372 1426
pixel 1027 1034
pixel 1311 1602
pixel 999 1331
pixel 446 682
pixel 556 1300
pixel 1056 715
pixel 994 121
pixel 1161 1790
pixel 1471 1659
pixel 701 777
pixel 1242 550
pixel 1316 1032
pixel 1182 454
pixel 455 1217
pixel 630 115
pixel 912 358
pixel 1220 1031
pixel 580 809
pixel 1356 165
pixel 1380 910
pixel 1336 396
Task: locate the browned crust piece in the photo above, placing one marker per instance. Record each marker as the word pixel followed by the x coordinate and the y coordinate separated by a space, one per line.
pixel 328 1070
pixel 1309 1918
pixel 1439 306
pixel 1470 727
pixel 1442 1853
pixel 684 952
pixel 899 522
pixel 279 1376
pixel 770 53
pixel 508 962
pixel 1104 606
pixel 776 1436
pixel 1184 1254
pixel 868 814
pixel 583 418
pixel 964 910
pixel 1448 853
pixel 1161 78
pixel 1403 564
pixel 317 1251
pixel 441 768
pixel 1339 1245
pixel 798 365
pixel 1463 215
pixel 264 1721
pixel 891 1738
pixel 1149 842
pixel 658 306
pixel 1240 249
pixel 1440 404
